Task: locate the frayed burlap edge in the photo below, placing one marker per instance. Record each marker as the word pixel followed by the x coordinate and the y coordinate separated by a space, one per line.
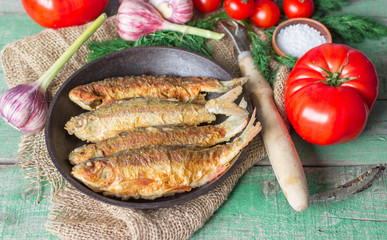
pixel 76 216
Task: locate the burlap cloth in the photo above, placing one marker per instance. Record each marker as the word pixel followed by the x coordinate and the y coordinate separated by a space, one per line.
pixel 76 216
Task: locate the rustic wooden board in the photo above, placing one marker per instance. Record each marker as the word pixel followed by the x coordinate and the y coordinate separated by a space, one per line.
pixel 374 8
pixel 12 7
pixel 16 26
pixel 256 209
pixel 20 216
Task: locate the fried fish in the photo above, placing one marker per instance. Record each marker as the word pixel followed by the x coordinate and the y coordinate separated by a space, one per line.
pixel 126 115
pixel 198 136
pixel 152 172
pixel 184 89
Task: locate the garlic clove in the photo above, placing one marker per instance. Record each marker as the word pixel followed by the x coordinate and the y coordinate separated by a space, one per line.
pixel 24 107
pixel 177 11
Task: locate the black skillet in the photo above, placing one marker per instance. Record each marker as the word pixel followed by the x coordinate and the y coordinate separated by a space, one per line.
pixel 133 61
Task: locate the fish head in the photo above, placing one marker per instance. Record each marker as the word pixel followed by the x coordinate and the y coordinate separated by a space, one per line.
pixel 80 126
pixel 96 173
pixel 88 96
pixel 84 153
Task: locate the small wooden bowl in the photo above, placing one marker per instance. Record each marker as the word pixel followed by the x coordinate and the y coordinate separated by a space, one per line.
pixel 310 22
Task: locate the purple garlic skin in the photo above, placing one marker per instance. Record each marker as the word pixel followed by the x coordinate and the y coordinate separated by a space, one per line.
pixel 24 107
pixel 177 11
pixel 136 18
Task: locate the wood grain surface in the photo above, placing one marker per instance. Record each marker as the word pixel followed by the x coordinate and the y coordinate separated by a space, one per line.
pixel 256 209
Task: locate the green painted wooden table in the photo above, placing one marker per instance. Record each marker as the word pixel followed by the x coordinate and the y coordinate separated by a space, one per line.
pixel 256 209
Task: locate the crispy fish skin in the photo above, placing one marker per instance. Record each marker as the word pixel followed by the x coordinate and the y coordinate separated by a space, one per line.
pixel 97 94
pixel 201 136
pixel 155 171
pixel 126 115
pixel 198 136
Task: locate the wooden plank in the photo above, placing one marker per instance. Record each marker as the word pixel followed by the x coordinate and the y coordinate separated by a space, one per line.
pixel 15 27
pixel 10 137
pixel 374 8
pixel 257 209
pixel 20 216
pixel 11 7
pixel 6 166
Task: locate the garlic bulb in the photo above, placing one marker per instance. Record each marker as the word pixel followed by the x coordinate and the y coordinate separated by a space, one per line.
pixel 137 18
pixel 24 107
pixel 177 11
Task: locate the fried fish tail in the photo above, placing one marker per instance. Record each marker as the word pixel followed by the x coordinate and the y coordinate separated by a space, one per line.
pixel 227 85
pixel 240 142
pixel 225 103
pixel 235 124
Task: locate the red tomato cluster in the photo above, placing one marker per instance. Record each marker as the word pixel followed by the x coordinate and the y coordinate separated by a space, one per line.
pixel 263 13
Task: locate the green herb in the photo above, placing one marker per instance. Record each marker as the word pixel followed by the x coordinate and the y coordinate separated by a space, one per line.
pixel 323 6
pixel 288 60
pixel 346 28
pixel 160 38
pixel 269 32
pixel 352 28
pixel 260 51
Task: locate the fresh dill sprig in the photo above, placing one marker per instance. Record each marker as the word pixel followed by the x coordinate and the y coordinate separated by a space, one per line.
pixel 160 38
pixel 352 28
pixel 346 27
pixel 287 60
pixel 260 51
pixel 324 6
pixel 269 32
pixel 98 49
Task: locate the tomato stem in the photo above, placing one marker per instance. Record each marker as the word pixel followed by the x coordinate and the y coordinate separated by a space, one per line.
pixel 333 79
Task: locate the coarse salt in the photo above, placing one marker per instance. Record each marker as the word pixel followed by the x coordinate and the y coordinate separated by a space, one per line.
pixel 295 40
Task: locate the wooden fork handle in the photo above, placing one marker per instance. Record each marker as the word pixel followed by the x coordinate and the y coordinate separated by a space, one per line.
pixel 279 146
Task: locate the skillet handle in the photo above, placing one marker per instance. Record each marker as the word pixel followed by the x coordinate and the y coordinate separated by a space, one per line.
pixel 278 143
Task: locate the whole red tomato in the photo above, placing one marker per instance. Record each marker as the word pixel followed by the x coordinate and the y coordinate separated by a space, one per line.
pixel 298 8
pixel 64 13
pixel 239 9
pixel 329 94
pixel 207 6
pixel 266 14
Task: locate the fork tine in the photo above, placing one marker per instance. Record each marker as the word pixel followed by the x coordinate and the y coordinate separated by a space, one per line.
pixel 239 35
